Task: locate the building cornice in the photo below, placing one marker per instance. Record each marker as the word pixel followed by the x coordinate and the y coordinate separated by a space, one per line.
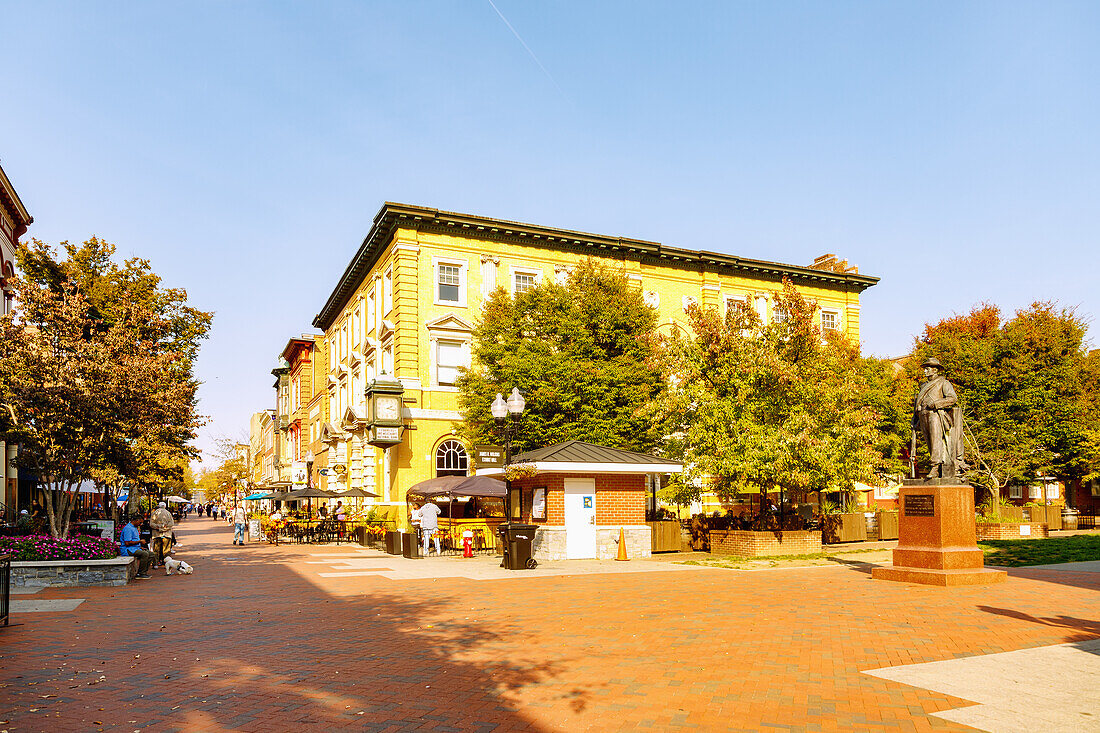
pixel 9 199
pixel 393 216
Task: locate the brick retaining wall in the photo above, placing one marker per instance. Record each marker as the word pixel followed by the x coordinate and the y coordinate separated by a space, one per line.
pixel 742 543
pixel 72 573
pixel 1011 531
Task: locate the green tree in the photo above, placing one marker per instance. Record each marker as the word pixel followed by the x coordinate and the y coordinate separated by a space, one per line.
pixel 760 407
pixel 1028 389
pixel 97 388
pixel 581 355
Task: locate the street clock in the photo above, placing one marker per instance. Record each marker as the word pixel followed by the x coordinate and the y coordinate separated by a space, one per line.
pixel 384 411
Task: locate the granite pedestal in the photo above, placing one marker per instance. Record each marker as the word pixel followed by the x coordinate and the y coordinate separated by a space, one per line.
pixel 937 542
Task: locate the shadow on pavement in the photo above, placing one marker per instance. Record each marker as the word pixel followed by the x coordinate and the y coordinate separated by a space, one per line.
pixel 247 643
pixel 1087 628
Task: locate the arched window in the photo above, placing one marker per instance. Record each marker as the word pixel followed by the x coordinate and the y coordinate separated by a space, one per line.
pixel 451 459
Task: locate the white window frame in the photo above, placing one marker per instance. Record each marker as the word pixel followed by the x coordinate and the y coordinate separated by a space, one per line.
pixel 357 326
pixel 729 298
pixel 1015 492
pixel 1053 492
pixel 836 313
pixel 463 267
pixel 344 340
pixel 387 291
pixel 370 311
pixel 514 271
pixel 332 352
pixel 1034 492
pixel 463 345
pixel 387 358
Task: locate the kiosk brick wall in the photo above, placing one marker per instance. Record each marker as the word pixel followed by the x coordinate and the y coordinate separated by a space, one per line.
pixel 620 498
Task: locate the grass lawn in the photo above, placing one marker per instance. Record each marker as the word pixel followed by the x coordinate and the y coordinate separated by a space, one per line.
pixel 1018 553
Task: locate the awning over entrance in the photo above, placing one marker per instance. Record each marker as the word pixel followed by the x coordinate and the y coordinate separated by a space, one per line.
pixel 458 486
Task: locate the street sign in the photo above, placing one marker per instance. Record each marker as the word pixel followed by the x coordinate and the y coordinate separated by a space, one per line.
pixel 488 456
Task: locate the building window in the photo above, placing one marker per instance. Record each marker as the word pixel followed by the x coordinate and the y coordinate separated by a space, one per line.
pixel 344 341
pixel 357 326
pixel 524 280
pixel 387 291
pixel 370 311
pixel 1014 492
pixel 1052 491
pixel 1035 492
pixel 450 282
pixel 449 356
pixel 332 353
pixel 830 320
pixel 387 358
pixel 451 459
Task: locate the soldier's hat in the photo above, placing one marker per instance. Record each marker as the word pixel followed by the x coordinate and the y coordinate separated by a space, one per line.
pixel 932 362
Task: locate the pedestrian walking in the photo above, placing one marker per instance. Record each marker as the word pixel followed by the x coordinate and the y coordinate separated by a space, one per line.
pixel 161 523
pixel 238 525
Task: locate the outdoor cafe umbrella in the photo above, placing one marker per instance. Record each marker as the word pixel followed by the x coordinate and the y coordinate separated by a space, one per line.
pixel 452 486
pixel 459 486
pixel 356 494
pixel 176 500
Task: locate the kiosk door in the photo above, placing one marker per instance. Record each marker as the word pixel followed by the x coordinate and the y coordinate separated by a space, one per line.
pixel 580 518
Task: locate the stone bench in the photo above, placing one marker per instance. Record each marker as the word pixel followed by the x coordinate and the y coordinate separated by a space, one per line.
pixel 72 573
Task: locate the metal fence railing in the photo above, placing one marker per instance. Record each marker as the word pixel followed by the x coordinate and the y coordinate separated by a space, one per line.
pixel 5 587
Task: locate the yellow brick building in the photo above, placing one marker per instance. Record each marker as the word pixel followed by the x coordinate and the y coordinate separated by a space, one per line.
pixel 408 300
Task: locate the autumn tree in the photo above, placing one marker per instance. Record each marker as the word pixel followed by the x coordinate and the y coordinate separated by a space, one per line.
pixel 580 353
pixel 757 407
pixel 96 377
pixel 1028 389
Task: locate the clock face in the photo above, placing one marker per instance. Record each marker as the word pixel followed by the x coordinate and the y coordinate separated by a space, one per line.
pixel 387 408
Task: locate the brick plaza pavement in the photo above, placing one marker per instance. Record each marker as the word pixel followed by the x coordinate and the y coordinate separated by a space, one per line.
pixel 258 640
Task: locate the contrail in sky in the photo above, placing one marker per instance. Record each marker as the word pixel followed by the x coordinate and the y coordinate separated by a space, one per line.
pixel 520 39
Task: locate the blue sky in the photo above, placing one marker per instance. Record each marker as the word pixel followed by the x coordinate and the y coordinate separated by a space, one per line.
pixel 949 148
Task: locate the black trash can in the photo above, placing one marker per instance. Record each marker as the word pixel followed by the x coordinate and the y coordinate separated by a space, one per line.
pixel 410 545
pixel 393 542
pixel 517 539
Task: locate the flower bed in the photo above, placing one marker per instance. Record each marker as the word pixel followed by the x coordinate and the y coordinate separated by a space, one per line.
pixel 44 547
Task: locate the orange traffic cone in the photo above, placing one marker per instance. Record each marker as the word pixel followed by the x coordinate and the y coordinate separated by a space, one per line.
pixel 622 546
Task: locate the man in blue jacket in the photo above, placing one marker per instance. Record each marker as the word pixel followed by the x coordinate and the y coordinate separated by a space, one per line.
pixel 130 544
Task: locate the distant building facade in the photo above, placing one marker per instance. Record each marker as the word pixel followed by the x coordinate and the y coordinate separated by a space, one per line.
pixel 14 220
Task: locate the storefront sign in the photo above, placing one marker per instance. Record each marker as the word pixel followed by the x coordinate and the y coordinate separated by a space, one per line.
pixel 488 456
pixel 920 505
pixel 298 474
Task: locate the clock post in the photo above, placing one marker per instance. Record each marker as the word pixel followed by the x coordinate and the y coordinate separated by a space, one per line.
pixel 384 411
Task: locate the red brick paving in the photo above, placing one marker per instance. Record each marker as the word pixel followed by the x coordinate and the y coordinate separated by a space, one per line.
pixel 256 641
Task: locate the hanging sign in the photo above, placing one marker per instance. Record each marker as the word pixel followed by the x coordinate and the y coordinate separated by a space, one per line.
pixel 488 456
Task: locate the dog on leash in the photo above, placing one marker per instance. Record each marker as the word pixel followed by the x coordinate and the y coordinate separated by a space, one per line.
pixel 176 566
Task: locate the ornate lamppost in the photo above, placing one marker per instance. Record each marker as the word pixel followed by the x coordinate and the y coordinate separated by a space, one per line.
pixel 501 409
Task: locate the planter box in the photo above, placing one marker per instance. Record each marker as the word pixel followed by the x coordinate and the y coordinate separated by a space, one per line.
pixel 744 543
pixel 72 573
pixel 1012 531
pixel 887 525
pixel 845 528
pixel 665 536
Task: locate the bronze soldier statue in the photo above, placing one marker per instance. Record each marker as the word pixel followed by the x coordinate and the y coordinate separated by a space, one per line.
pixel 937 417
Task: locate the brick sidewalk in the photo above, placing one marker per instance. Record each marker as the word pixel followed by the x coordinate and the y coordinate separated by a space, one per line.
pixel 256 640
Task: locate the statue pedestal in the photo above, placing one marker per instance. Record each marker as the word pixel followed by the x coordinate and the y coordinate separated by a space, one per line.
pixel 937 544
